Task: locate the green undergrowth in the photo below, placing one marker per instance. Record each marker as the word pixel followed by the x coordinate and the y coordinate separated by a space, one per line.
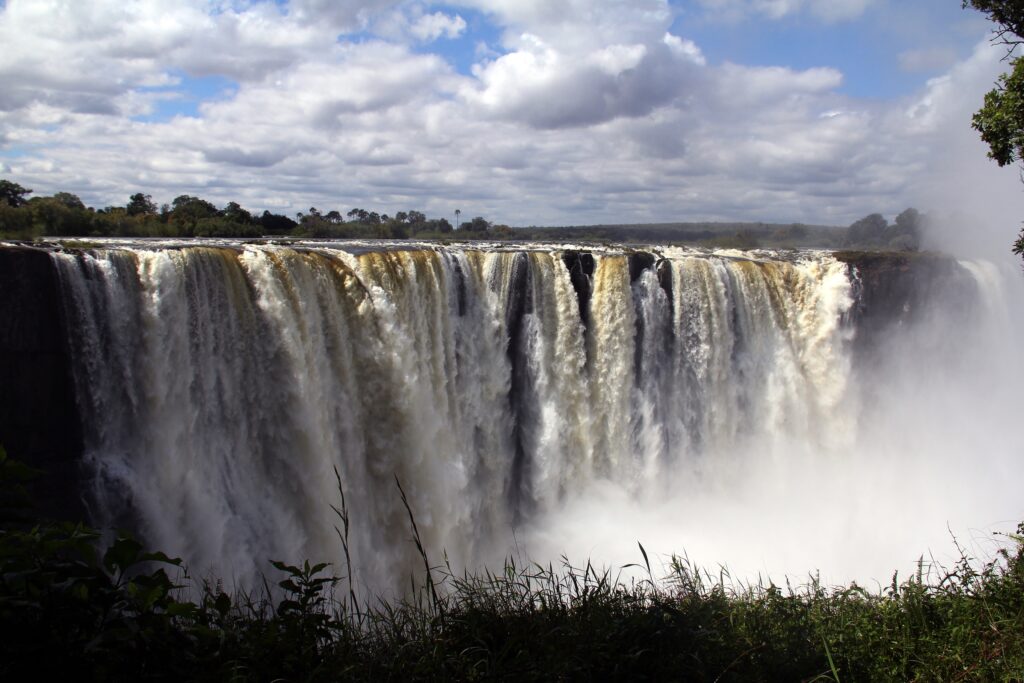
pixel 75 608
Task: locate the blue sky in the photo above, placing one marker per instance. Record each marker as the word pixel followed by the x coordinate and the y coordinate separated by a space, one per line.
pixel 524 111
pixel 185 94
pixel 866 49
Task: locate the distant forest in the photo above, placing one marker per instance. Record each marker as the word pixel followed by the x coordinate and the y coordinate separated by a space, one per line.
pixel 65 215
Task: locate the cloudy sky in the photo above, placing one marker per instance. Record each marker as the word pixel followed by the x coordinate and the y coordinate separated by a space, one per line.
pixel 523 111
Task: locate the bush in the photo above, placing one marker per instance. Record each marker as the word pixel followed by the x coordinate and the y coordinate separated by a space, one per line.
pixel 72 605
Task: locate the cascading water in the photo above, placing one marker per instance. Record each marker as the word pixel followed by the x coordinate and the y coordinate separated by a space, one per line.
pixel 509 391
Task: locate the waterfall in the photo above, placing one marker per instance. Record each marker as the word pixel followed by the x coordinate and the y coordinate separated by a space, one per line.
pixel 221 387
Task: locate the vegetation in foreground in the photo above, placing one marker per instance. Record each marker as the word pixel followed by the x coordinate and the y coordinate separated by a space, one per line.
pixel 73 607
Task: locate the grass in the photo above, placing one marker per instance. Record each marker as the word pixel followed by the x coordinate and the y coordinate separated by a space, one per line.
pixel 71 607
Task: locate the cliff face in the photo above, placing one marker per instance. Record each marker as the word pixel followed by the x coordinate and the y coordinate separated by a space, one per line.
pixel 895 289
pixel 38 419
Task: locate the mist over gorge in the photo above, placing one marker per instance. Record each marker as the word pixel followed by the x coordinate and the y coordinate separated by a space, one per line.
pixel 771 411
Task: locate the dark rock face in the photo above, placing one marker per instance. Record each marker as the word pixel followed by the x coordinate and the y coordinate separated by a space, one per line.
pixel 581 269
pixel 639 261
pixel 894 289
pixel 38 419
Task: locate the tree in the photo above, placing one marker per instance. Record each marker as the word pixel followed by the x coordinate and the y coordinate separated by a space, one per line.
pixel 69 200
pixel 140 205
pixel 1008 14
pixel 905 235
pixel 867 232
pixel 276 223
pixel 186 207
pixel 13 193
pixel 1000 121
pixel 15 222
pixel 52 216
pixel 187 211
pixel 236 214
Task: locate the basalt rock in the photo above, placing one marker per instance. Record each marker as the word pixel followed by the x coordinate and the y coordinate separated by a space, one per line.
pixel 38 420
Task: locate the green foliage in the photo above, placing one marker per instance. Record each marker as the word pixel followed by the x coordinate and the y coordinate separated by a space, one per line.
pixel 15 222
pixel 276 224
pixel 234 213
pixel 1007 14
pixel 875 232
pixel 476 224
pixel 1001 119
pixel 59 216
pixel 869 230
pixel 140 204
pixel 69 200
pixel 12 193
pixel 73 606
pixel 67 605
pixel 64 215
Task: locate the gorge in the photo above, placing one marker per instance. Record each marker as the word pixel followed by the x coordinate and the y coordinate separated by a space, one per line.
pixel 774 411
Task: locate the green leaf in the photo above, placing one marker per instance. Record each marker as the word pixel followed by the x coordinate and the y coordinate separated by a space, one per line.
pixel 122 554
pixel 181 609
pixel 160 557
pixel 222 604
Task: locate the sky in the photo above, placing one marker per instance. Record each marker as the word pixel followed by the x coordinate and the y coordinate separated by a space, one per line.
pixel 526 112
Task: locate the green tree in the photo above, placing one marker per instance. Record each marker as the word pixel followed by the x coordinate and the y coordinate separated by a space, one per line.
pixel 13 193
pixel 187 205
pixel 187 211
pixel 140 205
pixel 1000 121
pixel 69 200
pixel 905 235
pixel 1007 14
pixel 52 216
pixel 15 222
pixel 276 224
pixel 236 214
pixel 869 231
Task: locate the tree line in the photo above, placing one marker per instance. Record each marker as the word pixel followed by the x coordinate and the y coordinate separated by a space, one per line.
pixel 65 215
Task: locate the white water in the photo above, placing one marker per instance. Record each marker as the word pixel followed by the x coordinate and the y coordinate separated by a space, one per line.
pixel 714 406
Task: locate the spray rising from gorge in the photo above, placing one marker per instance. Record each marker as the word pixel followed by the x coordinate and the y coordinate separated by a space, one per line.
pixel 540 401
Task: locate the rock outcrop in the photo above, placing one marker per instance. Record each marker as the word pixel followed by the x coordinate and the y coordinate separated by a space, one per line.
pixel 38 418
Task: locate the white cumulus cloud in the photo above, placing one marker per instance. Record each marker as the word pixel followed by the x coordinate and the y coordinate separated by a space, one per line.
pixel 430 27
pixel 581 112
pixel 826 10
